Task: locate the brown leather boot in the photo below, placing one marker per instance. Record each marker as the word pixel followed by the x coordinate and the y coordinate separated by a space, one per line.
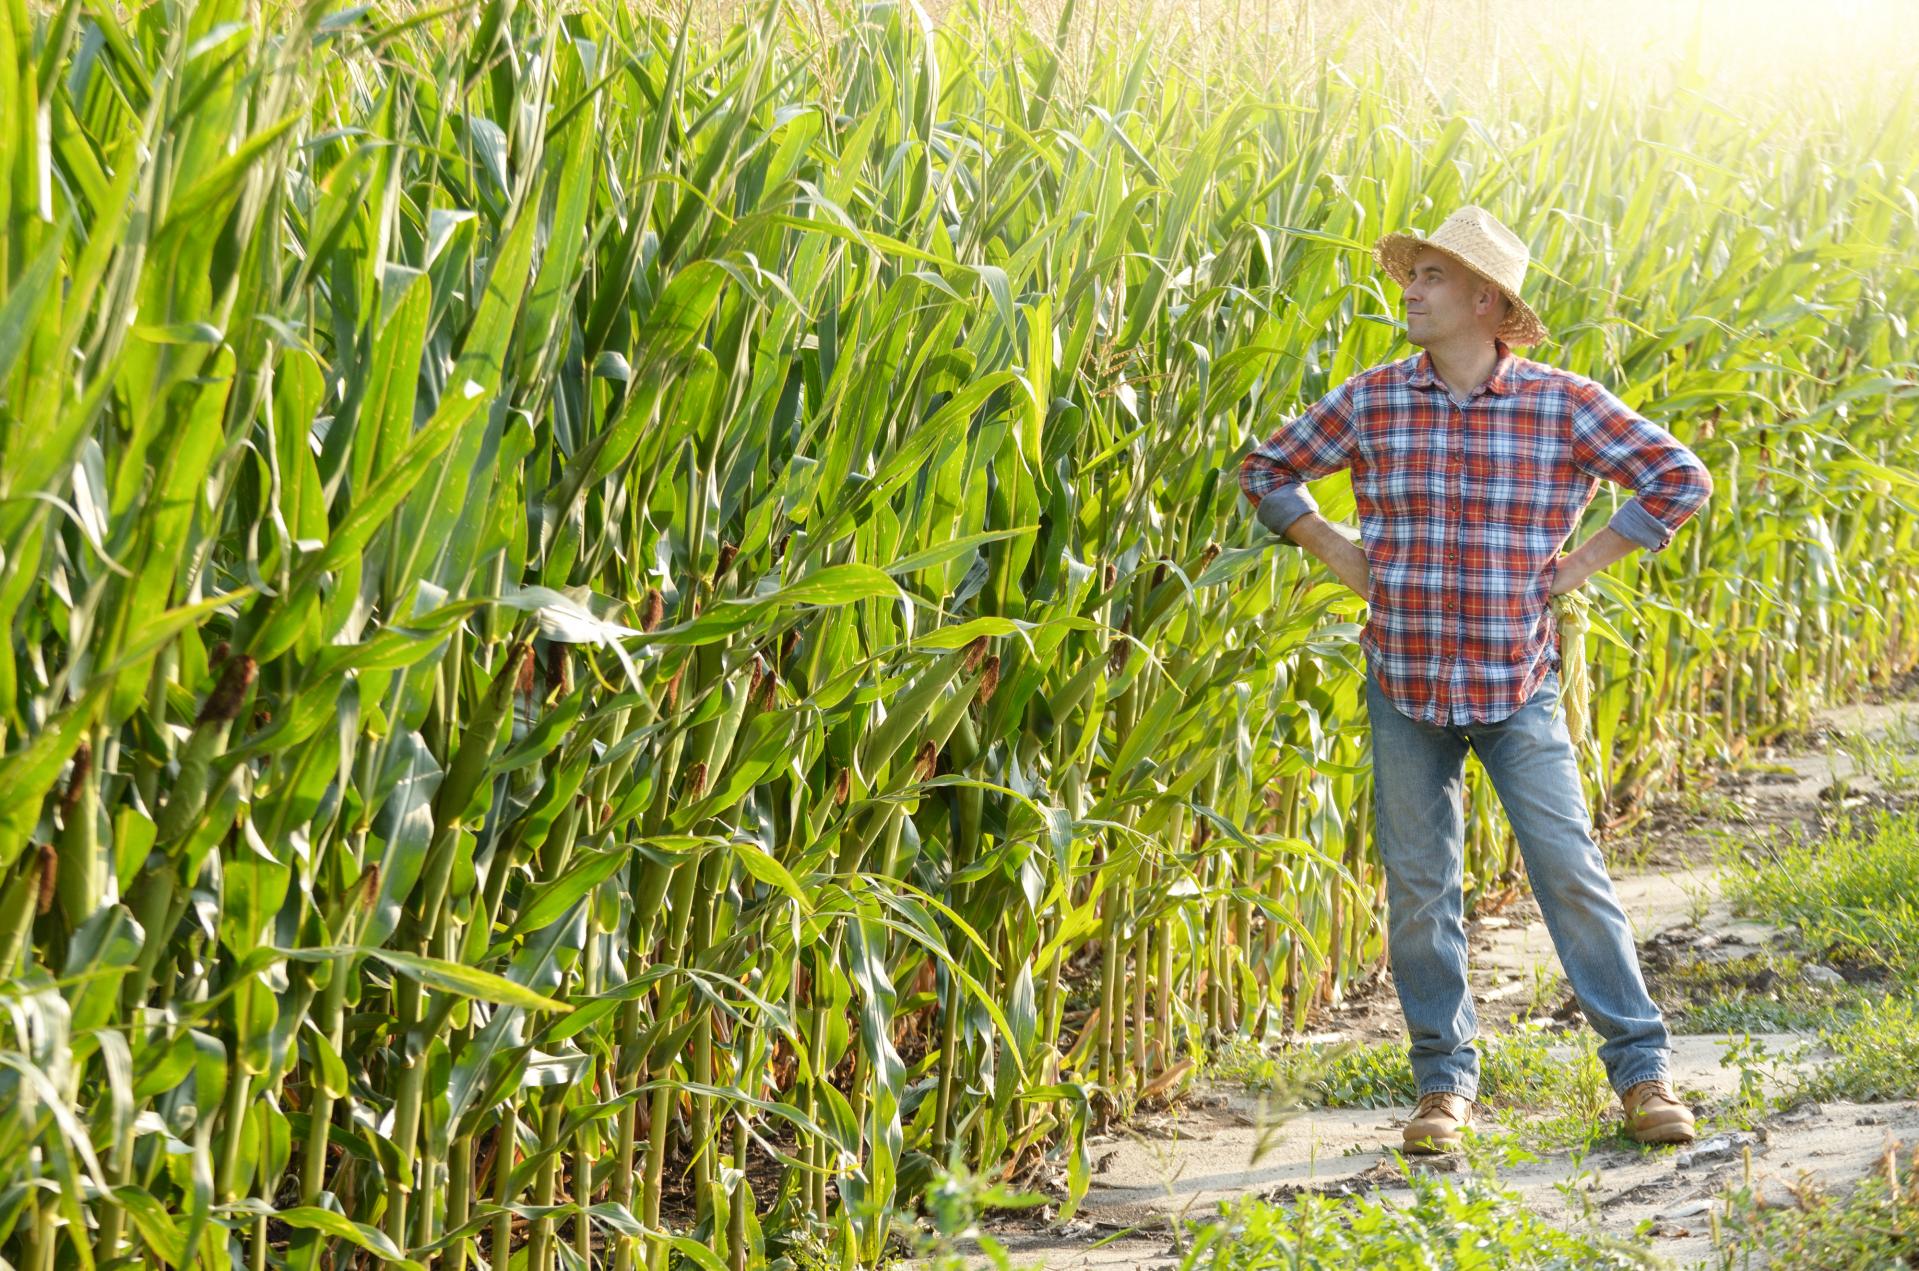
pixel 1655 1115
pixel 1437 1123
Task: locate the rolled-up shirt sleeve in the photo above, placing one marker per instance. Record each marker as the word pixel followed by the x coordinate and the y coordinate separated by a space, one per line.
pixel 1613 442
pixel 1318 443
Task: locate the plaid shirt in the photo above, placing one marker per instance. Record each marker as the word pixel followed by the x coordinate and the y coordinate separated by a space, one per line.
pixel 1463 507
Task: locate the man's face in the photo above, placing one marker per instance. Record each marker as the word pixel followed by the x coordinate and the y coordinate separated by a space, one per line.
pixel 1443 301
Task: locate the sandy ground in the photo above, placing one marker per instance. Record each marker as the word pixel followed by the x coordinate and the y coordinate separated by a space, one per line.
pixel 1222 1142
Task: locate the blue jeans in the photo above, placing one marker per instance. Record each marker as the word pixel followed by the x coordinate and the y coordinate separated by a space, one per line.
pixel 1418 780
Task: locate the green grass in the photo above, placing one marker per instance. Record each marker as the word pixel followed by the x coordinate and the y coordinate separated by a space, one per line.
pixel 1518 1068
pixel 1445 1225
pixel 1846 896
pixel 1763 992
pixel 1875 1055
pixel 1736 1012
pixel 1850 894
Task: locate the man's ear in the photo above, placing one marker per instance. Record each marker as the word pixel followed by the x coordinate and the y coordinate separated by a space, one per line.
pixel 1497 306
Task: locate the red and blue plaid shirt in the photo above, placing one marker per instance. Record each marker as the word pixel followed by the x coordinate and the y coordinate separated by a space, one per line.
pixel 1463 507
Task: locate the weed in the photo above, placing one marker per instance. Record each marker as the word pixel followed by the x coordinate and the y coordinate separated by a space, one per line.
pixel 1760 1071
pixel 1577 1188
pixel 1874 1225
pixel 1891 759
pixel 1875 1055
pixel 1548 986
pixel 1698 902
pixel 950 1237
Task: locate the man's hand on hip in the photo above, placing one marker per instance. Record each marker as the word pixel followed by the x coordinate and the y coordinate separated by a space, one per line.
pixel 1338 553
pixel 1567 578
pixel 1591 556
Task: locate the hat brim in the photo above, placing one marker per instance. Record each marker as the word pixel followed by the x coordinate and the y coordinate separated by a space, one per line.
pixel 1395 254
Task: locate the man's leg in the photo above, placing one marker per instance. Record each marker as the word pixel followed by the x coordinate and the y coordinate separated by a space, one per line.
pixel 1529 756
pixel 1420 826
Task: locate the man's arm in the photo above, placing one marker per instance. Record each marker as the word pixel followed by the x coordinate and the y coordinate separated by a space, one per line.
pixel 1274 475
pixel 1668 481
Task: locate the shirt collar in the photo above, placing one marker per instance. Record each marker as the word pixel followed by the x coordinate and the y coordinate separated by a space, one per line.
pixel 1500 381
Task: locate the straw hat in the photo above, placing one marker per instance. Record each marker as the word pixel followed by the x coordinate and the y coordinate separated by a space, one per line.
pixel 1476 240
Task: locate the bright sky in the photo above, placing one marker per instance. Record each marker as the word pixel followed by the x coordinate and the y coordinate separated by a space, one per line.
pixel 1763 36
pixel 1743 48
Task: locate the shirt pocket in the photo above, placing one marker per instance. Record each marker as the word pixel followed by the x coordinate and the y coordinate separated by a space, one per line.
pixel 1406 481
pixel 1520 468
pixel 1508 489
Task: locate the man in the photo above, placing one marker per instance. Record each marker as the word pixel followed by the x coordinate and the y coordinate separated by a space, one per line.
pixel 1471 466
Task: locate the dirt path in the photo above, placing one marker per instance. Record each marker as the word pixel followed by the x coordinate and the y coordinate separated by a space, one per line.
pixel 1223 1142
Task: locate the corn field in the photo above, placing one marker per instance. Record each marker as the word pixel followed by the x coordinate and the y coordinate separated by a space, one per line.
pixel 628 642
